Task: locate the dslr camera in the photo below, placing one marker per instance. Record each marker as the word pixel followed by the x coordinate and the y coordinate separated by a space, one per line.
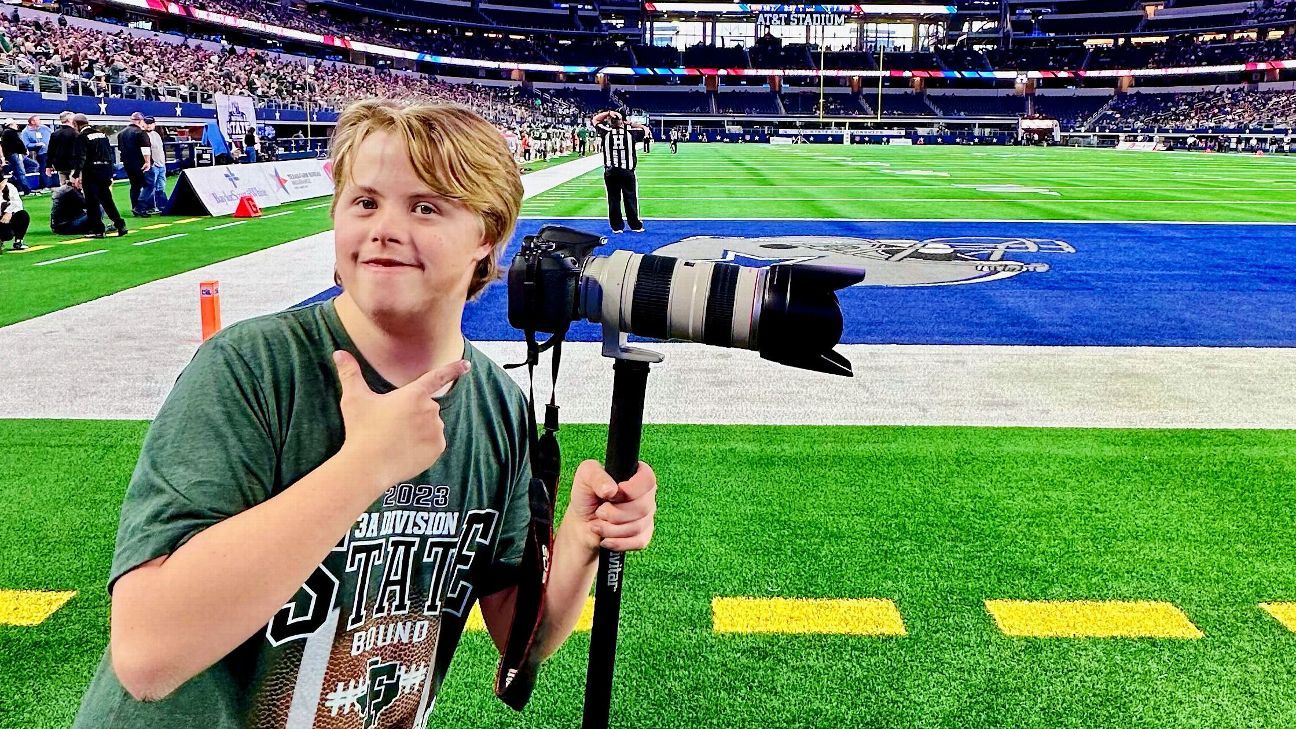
pixel 789 314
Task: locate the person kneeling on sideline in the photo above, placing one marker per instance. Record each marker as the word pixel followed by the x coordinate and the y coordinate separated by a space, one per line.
pixel 68 212
pixel 14 220
pixel 328 491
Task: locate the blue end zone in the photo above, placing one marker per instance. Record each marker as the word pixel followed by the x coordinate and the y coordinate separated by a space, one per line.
pixel 1105 284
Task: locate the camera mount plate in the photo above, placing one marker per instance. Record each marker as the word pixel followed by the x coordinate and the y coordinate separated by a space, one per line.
pixel 615 346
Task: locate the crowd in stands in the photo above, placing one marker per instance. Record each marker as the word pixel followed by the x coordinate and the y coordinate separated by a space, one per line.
pixel 120 64
pixel 765 52
pixel 1207 111
pixel 1272 11
pixel 37 53
pixel 270 11
pixel 426 38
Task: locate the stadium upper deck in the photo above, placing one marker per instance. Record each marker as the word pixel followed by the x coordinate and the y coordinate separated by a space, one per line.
pixel 100 62
pixel 624 44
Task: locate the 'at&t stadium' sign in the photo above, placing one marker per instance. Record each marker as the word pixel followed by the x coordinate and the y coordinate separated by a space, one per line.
pixel 815 19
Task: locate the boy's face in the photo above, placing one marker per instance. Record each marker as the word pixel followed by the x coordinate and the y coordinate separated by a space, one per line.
pixel 402 250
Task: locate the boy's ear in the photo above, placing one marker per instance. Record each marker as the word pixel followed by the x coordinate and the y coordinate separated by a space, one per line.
pixel 484 248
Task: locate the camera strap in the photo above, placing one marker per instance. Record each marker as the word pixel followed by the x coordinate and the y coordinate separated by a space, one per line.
pixel 515 678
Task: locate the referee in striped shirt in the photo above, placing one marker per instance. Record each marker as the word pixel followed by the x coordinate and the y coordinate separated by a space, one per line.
pixel 619 160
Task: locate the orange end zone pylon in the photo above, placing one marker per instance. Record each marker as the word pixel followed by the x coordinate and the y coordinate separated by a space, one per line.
pixel 209 307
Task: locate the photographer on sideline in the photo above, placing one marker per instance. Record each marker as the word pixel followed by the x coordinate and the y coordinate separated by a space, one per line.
pixel 619 160
pixel 328 490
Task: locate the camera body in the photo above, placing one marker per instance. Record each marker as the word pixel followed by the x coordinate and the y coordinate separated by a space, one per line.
pixel 544 277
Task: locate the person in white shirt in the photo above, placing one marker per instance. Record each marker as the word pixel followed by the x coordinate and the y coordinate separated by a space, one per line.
pixel 154 194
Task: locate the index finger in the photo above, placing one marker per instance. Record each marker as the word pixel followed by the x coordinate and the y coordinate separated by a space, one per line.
pixel 431 382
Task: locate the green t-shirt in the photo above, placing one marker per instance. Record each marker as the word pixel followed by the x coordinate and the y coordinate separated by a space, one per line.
pixel 366 641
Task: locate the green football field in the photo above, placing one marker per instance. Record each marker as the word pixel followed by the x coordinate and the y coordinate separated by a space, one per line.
pixel 938 523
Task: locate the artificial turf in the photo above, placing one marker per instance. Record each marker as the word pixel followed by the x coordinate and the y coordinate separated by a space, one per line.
pixel 956 182
pixel 936 519
pixel 732 181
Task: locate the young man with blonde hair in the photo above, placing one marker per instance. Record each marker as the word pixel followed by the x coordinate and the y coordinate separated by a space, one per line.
pixel 327 491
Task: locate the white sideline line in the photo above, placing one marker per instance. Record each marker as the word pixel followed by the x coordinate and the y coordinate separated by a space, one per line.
pixel 68 258
pixel 157 240
pixel 275 215
pixel 316 207
pixel 226 225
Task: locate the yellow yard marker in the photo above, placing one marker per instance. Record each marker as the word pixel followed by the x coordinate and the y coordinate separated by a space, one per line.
pixel 31 249
pixel 1091 619
pixel 583 623
pixel 155 226
pixel 188 220
pixel 1283 612
pixel 870 616
pixel 70 241
pixel 30 607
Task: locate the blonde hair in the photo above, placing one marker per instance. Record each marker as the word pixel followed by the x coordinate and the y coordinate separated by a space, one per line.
pixel 455 152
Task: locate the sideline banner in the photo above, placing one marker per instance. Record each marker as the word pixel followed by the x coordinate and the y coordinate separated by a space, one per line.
pixel 301 179
pixel 235 115
pixel 216 190
pixel 1141 146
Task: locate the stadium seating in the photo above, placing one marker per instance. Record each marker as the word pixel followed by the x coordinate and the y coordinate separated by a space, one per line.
pixel 905 104
pixel 1027 58
pixel 707 56
pixel 119 64
pixel 1070 111
pixel 666 102
pixel 977 105
pixel 848 60
pixel 747 102
pixel 835 104
pixel 588 100
pixel 656 56
pixel 94 61
pixel 438 24
pixel 589 53
pixel 1217 111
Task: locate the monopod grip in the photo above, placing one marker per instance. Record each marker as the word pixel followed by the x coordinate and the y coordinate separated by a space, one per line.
pixel 625 431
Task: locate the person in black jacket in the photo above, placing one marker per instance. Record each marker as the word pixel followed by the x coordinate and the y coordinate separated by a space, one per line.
pixel 250 144
pixel 92 170
pixel 11 144
pixel 68 212
pixel 60 148
pixel 133 146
